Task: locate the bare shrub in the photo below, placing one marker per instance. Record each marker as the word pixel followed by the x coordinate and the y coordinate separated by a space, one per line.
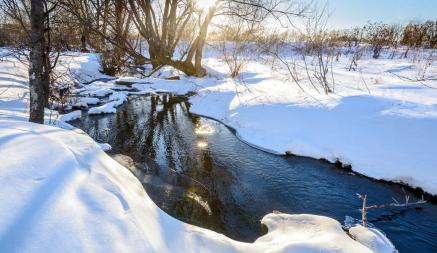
pixel 353 37
pixel 380 36
pixel 419 35
pixel 235 45
pixel 320 51
pixel 277 46
pixel 431 34
pixel 110 64
pixel 312 57
pixel 356 56
pixel 412 38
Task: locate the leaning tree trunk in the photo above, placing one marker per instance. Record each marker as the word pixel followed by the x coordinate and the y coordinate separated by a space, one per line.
pixel 36 66
pixel 200 71
pixel 197 47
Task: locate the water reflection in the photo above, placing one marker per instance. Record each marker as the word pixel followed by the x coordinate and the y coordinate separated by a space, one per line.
pixel 198 171
pixel 204 129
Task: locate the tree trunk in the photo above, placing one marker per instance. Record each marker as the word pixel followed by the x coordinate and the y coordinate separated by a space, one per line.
pixel 200 43
pixel 164 36
pixel 119 19
pixel 36 66
pixel 84 39
pixel 45 79
pixel 103 42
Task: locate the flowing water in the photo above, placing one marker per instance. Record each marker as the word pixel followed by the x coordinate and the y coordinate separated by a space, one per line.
pixel 199 172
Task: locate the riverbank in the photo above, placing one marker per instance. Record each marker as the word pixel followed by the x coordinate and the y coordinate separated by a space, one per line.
pixel 63 193
pixel 385 133
pixel 378 124
pixel 199 172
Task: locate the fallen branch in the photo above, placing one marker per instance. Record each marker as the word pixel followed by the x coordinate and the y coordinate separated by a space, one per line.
pixel 364 209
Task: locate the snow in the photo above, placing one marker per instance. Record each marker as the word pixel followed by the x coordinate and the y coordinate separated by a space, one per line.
pixel 372 238
pixel 79 68
pixel 179 87
pixel 71 116
pixel 89 100
pixel 81 200
pixel 84 102
pixel 96 91
pixel 129 79
pixel 14 91
pixel 116 99
pixel 105 146
pixel 167 72
pixel 105 108
pixel 118 96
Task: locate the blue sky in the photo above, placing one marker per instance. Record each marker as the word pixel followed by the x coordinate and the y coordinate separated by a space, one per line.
pixel 348 13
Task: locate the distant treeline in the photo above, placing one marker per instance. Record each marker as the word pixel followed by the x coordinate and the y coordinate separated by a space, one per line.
pixel 413 34
pixel 379 35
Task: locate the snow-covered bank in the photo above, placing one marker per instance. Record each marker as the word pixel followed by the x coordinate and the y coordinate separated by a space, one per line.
pixel 14 90
pixel 61 192
pixel 385 133
pixel 381 125
pixel 80 200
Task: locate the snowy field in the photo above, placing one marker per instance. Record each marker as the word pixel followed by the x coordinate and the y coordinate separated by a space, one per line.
pixel 80 200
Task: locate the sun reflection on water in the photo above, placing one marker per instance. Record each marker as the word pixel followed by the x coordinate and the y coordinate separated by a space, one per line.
pixel 204 129
pixel 202 144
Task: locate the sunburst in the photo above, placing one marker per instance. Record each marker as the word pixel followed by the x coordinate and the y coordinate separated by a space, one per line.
pixel 205 4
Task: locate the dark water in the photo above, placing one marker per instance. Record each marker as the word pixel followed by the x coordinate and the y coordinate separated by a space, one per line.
pixel 198 171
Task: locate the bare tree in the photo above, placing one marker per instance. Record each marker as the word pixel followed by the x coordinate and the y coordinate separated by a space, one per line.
pixel 106 26
pixel 37 81
pixel 419 35
pixel 83 17
pixel 163 23
pixel 380 36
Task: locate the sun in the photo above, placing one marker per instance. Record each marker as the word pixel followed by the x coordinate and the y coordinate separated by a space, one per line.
pixel 205 4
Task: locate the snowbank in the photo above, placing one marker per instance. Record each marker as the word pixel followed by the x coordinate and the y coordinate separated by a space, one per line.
pixel 105 146
pixel 116 99
pixel 388 134
pixel 74 67
pixel 80 200
pixel 372 238
pixel 14 89
pixel 89 100
pixel 106 108
pixel 71 116
pixel 96 89
pixel 180 87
